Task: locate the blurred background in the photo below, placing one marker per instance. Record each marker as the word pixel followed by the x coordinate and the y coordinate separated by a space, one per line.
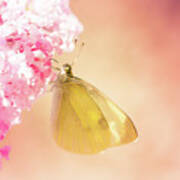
pixel 132 54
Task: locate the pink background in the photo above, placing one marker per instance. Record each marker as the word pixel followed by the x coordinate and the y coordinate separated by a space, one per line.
pixel 132 54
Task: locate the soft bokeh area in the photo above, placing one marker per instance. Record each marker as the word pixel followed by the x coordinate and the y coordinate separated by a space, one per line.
pixel 131 54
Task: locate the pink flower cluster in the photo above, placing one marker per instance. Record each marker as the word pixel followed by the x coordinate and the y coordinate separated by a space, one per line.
pixel 31 32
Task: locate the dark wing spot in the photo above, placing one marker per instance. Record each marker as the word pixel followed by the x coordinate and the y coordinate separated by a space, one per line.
pixel 103 123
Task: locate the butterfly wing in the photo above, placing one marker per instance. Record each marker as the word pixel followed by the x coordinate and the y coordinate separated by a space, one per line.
pixel 121 127
pixel 88 122
pixel 79 124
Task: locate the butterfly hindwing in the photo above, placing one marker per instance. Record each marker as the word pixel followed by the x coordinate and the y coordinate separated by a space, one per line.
pixel 80 124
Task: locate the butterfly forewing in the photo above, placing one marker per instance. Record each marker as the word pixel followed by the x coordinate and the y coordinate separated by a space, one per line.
pixel 122 128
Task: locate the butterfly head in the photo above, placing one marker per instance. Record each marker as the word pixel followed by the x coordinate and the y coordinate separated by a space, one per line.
pixel 67 70
pixel 65 73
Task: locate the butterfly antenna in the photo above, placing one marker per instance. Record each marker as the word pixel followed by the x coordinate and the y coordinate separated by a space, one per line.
pixel 79 51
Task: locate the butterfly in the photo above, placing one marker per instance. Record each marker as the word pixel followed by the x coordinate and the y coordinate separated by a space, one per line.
pixel 85 121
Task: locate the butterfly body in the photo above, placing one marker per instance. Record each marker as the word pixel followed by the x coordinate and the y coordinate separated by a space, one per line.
pixel 86 121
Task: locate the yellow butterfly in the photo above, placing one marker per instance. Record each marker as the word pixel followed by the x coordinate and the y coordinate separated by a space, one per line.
pixel 84 120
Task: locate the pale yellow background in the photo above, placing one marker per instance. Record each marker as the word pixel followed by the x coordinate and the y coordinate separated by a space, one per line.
pixel 131 54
